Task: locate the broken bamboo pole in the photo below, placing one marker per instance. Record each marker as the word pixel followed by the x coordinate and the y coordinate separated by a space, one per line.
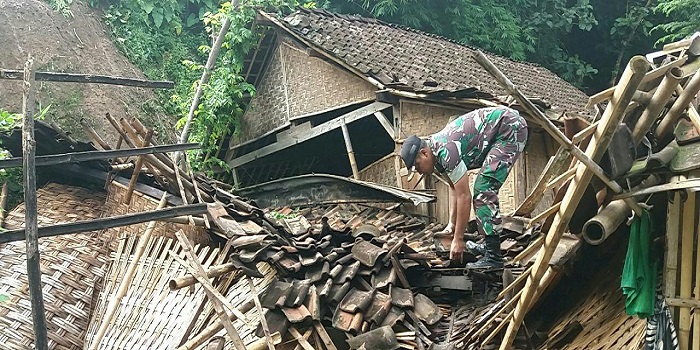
pixel 686 287
pixel 656 104
pixel 351 153
pixel 30 213
pixel 13 74
pixel 556 134
pixel 213 328
pixel 261 312
pixel 137 169
pixel 217 300
pixel 681 104
pixel 611 118
pixel 189 279
pixel 105 223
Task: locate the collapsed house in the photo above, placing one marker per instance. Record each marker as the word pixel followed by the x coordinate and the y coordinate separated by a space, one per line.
pixel 318 261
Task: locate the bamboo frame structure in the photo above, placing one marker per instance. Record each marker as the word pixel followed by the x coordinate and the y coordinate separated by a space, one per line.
pixel 631 78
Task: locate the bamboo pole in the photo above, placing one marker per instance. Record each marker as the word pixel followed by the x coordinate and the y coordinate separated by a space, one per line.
pixel 552 170
pixel 611 118
pixel 351 153
pixel 213 328
pixel 189 279
pixel 30 213
pixel 657 103
pixel 137 169
pixel 687 245
pixel 671 254
pixel 678 107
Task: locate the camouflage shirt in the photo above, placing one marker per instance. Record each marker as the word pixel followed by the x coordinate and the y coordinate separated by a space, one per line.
pixel 464 143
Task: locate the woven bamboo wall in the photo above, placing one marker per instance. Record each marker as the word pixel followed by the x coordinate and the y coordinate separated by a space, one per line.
pixel 297 84
pixel 73 268
pixel 424 119
pixel 536 156
pixel 141 203
pixel 382 171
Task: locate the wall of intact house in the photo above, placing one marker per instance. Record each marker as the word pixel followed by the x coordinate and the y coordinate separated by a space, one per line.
pixel 382 171
pixel 296 84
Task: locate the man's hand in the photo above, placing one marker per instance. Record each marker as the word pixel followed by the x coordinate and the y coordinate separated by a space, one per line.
pixel 457 250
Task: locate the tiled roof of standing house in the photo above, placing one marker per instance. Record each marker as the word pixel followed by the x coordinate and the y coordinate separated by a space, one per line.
pixel 408 59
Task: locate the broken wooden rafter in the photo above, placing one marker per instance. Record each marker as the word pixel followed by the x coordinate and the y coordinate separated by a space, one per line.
pixel 309 134
pixel 77 157
pixel 105 223
pixel 14 74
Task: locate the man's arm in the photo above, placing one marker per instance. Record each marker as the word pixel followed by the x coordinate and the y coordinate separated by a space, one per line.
pixel 463 206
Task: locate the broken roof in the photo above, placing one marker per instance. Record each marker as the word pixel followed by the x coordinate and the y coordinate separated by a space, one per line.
pixel 402 58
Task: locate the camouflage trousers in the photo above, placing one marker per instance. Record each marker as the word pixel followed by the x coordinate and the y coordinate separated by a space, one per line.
pixel 506 145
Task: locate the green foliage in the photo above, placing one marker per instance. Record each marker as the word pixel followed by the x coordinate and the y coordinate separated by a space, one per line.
pixel 62 7
pixel 11 176
pixel 682 19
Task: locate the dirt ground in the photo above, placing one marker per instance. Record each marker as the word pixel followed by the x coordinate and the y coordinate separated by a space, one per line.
pixel 78 44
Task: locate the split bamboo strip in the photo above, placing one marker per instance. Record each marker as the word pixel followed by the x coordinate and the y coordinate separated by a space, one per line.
pixel 137 169
pixel 529 250
pixel 30 204
pixel 306 335
pixel 611 118
pixel 545 214
pixel 213 328
pixel 515 283
pixel 217 300
pixel 671 254
pixel 263 321
pixel 327 341
pixel 565 176
pixel 189 279
pixel 261 344
pixel 302 341
pixel 687 245
pixel 128 278
pixel 583 134
pixel 3 204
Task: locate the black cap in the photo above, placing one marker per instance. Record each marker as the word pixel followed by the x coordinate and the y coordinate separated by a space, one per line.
pixel 409 150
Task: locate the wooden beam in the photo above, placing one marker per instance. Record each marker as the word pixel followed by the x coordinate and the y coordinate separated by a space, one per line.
pixel 611 118
pixel 385 123
pixel 692 184
pixel 683 303
pixel 686 280
pixel 673 222
pixel 85 156
pixel 105 223
pixel 13 74
pixel 30 206
pixel 314 132
pixel 302 341
pixel 263 320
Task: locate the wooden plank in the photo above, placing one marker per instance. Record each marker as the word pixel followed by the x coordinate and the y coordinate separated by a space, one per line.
pixel 683 303
pixel 323 334
pixel 306 336
pixel 261 312
pixel 314 132
pixel 13 74
pixel 85 156
pixel 696 288
pixel 686 290
pixel 553 169
pixel 583 134
pixel 217 300
pixel 692 184
pixel 30 212
pixel 561 178
pixel 611 118
pixel 545 214
pixel 105 223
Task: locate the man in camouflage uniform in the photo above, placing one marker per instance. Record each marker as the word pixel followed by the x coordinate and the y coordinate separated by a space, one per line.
pixel 490 139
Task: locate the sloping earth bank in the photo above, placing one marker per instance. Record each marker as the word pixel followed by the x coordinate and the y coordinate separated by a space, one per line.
pixel 77 44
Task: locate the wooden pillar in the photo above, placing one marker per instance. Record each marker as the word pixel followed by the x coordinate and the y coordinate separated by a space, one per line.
pixel 671 256
pixel 30 212
pixel 351 153
pixel 686 290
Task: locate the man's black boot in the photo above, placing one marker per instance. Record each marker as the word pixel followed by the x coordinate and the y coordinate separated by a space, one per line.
pixel 492 259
